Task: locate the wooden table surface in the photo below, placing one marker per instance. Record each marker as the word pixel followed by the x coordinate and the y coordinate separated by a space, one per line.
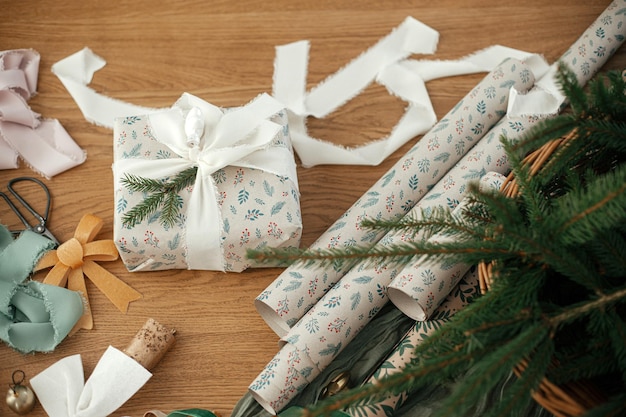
pixel 223 51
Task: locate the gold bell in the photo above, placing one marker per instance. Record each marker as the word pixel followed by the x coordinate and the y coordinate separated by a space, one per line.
pixel 336 385
pixel 20 398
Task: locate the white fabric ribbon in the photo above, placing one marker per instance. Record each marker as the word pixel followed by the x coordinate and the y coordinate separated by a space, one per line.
pixel 386 64
pixel 237 137
pixel 63 392
pixel 75 73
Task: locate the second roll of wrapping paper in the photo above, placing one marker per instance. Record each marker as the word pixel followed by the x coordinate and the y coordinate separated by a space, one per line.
pixel 298 289
pixel 420 287
pixel 463 293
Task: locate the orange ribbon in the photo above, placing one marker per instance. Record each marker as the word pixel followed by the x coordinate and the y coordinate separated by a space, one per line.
pixel 76 258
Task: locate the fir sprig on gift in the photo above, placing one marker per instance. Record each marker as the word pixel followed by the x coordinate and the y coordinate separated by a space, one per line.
pixel 162 197
pixel 556 308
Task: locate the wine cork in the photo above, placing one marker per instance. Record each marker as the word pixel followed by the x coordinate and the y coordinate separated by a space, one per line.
pixel 150 344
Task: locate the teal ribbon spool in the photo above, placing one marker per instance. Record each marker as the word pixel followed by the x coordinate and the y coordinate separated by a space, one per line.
pixel 34 317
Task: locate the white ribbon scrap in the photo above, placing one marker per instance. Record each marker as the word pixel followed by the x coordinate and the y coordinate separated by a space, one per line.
pixel 385 63
pixel 235 137
pixel 75 72
pixel 63 392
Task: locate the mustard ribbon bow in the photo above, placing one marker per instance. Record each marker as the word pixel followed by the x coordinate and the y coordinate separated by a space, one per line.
pixel 76 258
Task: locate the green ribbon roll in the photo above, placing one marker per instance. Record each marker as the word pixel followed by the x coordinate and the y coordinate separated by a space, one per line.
pixel 34 317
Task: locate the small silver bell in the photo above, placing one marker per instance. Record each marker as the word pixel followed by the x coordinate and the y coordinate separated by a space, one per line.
pixel 20 398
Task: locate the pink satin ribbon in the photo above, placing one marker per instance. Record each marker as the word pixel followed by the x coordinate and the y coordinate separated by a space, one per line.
pixel 43 144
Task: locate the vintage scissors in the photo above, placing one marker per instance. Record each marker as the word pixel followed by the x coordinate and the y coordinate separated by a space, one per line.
pixel 40 227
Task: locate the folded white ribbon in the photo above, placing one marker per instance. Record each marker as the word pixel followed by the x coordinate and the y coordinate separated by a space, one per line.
pixel 235 137
pixel 63 392
pixel 386 64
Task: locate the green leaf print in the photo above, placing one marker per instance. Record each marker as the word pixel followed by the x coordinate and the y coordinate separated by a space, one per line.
pixel 277 207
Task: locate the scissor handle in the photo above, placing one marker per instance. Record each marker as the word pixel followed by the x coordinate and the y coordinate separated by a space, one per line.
pixel 41 218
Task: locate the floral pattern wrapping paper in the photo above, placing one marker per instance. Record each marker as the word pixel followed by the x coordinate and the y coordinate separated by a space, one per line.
pixel 258 209
pixel 326 329
pixel 404 352
pixel 419 288
pixel 298 289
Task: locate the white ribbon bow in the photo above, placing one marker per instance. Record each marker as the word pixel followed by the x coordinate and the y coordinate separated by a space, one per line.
pixel 237 137
pixel 63 392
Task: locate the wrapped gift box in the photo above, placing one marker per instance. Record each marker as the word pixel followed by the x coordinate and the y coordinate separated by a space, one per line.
pixel 244 193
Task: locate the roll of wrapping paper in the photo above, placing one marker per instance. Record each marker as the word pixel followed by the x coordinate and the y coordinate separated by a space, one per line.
pixel 604 36
pixel 297 289
pixel 421 286
pixel 418 288
pixel 463 293
pixel 345 309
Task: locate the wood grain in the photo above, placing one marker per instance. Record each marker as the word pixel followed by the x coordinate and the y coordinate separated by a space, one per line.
pixel 223 51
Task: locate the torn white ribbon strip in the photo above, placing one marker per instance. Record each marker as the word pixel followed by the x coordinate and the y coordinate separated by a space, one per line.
pixel 76 72
pixel 386 64
pixel 63 392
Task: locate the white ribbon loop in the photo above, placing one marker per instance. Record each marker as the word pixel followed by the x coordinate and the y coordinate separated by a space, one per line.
pixel 62 391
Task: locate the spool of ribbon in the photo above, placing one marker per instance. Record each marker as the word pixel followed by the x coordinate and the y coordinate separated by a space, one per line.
pixel 63 392
pixel 76 258
pixel 34 317
pixel 241 137
pixel 42 143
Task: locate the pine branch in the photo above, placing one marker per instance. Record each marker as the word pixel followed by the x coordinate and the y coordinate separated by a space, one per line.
pixel 161 194
pixel 583 309
pixel 601 205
